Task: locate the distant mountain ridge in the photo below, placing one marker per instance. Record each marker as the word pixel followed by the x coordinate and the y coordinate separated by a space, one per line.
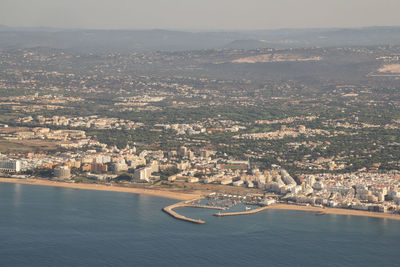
pixel 168 40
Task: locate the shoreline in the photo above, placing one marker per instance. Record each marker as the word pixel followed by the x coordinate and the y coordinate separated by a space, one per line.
pixel 101 187
pixel 190 196
pixel 336 211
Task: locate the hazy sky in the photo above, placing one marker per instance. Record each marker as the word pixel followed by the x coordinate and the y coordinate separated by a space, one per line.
pixel 199 14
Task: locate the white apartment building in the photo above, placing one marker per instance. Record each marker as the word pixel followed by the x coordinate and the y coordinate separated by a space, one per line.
pixel 10 165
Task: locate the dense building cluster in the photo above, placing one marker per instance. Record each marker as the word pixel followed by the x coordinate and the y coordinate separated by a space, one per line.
pixel 274 120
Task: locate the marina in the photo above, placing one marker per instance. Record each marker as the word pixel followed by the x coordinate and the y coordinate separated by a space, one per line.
pixel 170 210
pixel 216 202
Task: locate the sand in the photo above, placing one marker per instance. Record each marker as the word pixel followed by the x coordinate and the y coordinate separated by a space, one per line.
pixel 101 187
pixel 391 68
pixel 191 196
pixel 335 211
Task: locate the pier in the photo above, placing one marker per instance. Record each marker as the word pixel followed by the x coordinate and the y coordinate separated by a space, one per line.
pixel 241 212
pixel 204 207
pixel 170 210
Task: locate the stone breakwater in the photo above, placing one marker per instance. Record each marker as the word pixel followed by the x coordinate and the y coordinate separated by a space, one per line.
pixel 248 212
pixel 170 210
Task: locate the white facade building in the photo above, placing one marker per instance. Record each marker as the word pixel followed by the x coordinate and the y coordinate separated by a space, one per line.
pixel 10 165
pixel 62 172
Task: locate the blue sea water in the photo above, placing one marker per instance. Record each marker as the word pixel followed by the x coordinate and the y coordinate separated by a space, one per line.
pixel 50 226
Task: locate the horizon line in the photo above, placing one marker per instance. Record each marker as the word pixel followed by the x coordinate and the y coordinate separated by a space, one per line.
pixel 194 29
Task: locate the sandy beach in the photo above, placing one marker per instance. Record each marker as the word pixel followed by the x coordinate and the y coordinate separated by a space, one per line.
pixel 190 196
pixel 100 187
pixel 335 211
